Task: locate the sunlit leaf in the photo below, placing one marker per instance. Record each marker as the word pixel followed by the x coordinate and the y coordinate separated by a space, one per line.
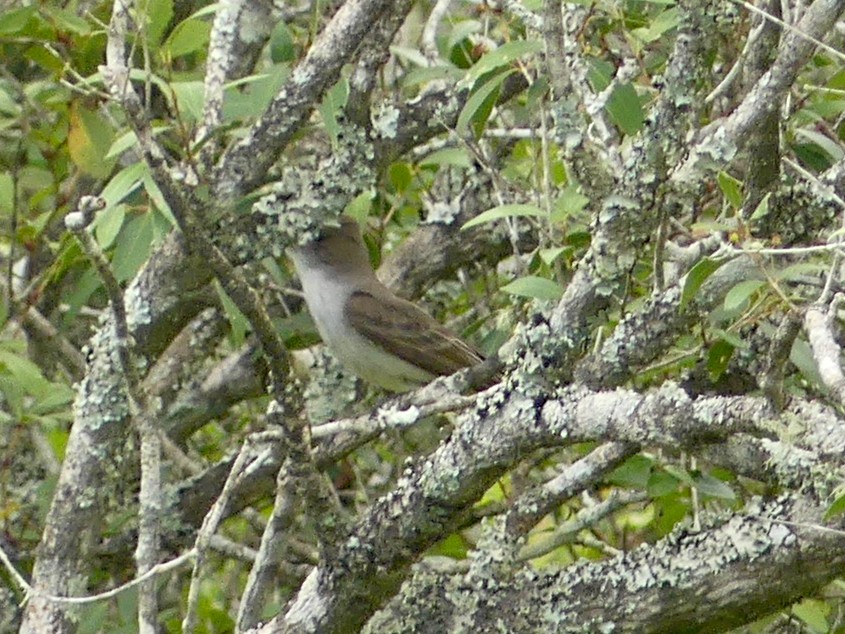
pixel 501 56
pixel 830 146
pixel 504 211
pixel 109 222
pixel 713 487
pixel 696 277
pixel 738 296
pixel 124 183
pixel 550 255
pixel 25 372
pixel 66 20
pixel 158 16
pixel 238 323
pixel 813 612
pixel 7 193
pixel 249 96
pixel 731 188
pixel 534 287
pixel 625 109
pixel 762 209
pixel 569 203
pixel 133 246
pixel 189 36
pixel 661 483
pixel 190 96
pixel 330 107
pixel 455 157
pixel 480 104
pixel 282 44
pixel 89 138
pixel 15 20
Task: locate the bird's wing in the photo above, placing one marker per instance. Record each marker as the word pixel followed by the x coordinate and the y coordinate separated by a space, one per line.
pixel 409 333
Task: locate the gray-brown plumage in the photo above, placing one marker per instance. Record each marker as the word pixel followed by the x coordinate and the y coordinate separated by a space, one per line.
pixel 384 339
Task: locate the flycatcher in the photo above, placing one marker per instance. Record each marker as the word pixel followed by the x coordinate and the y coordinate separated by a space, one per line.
pixel 382 338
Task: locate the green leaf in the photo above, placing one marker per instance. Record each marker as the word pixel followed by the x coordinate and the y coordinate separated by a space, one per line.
pixel 454 547
pixel 661 483
pixel 663 22
pixel 13 398
pixel 811 154
pixel 427 74
pixel 696 277
pixel 55 399
pixel 837 507
pixel 625 109
pixel 330 107
pixel 14 21
pixel 800 270
pixel 503 55
pixel 731 188
pixel 480 104
pixel 151 187
pixel 128 140
pixel 714 487
pixel 505 211
pixel 158 16
pixel 124 183
pixel 828 145
pixel 7 194
pixel 49 60
pixel 732 338
pixel 238 322
pixel 360 206
pixel 634 473
pixel 26 373
pixel 93 618
pixel 718 357
pixel 401 176
pixel 298 330
pixel 89 138
pixel 680 473
pixel 737 298
pixel 78 295
pixel 802 357
pixel 551 254
pixel 282 45
pixel 8 105
pixel 669 510
pixel 109 222
pixel 188 37
pixel 411 55
pixel 534 287
pixel 248 97
pixel 762 209
pixel 456 157
pixel 461 30
pixel 813 612
pixel 208 10
pixel 189 97
pixel 133 247
pixel 569 203
pixel 67 21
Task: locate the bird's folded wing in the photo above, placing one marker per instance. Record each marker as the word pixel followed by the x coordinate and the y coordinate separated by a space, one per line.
pixel 406 331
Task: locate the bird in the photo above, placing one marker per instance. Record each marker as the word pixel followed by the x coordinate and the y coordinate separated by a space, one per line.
pixel 380 337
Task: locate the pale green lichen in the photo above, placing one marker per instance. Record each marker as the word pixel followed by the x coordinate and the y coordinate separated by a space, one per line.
pixel 396 417
pixel 385 120
pixel 302 201
pixel 330 390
